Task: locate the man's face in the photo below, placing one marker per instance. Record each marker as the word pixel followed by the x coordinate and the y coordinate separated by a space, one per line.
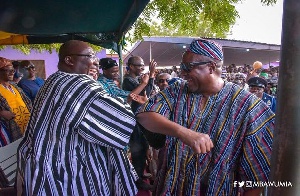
pixel 30 71
pixel 258 91
pixel 112 73
pixel 84 61
pixel 198 76
pixel 7 73
pixel 93 72
pixel 162 81
pixel 138 66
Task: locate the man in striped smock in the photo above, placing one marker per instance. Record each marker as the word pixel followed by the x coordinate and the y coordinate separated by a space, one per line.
pixel 239 124
pixel 75 138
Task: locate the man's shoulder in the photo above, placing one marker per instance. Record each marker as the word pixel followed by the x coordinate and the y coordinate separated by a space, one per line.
pixel 22 82
pixel 266 96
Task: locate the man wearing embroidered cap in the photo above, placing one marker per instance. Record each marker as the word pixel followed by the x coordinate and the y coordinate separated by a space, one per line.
pixel 214 139
pixel 257 86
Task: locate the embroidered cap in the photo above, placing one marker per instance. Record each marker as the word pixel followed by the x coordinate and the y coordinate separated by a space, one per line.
pixel 206 48
pixel 4 62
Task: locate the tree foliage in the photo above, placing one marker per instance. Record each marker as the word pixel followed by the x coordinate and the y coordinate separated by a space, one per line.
pixel 204 18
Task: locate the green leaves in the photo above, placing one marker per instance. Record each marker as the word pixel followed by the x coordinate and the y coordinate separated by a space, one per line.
pixel 26 48
pixel 201 18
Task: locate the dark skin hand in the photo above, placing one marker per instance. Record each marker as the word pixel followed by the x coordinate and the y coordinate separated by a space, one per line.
pixel 138 98
pixel 7 115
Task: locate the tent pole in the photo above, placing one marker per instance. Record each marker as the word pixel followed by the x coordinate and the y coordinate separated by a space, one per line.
pixel 285 162
pixel 120 63
pixel 150 53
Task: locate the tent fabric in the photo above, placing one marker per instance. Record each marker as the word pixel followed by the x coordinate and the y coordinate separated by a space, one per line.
pixel 99 22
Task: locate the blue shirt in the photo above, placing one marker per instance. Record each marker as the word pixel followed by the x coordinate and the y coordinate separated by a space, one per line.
pixel 270 101
pixel 31 87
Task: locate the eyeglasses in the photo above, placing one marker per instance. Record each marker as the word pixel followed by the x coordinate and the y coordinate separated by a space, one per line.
pixel 139 65
pixel 187 67
pixel 93 57
pixel 163 80
pixel 8 71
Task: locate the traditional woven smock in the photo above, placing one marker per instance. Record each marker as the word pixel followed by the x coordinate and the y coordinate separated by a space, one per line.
pixel 240 126
pixel 19 104
pixel 74 141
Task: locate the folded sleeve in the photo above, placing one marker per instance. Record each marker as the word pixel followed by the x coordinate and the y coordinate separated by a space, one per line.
pixel 108 122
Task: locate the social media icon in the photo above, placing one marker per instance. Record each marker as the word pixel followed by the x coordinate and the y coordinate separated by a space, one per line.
pixel 235 183
pixel 241 184
pixel 249 184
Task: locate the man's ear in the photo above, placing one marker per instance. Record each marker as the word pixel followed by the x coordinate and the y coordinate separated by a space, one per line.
pixel 212 67
pixel 68 60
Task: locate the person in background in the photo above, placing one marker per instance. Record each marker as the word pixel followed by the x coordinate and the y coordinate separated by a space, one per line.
pixel 174 73
pixel 74 144
pixel 29 83
pixel 109 77
pixel 217 133
pixel 257 86
pixel 15 106
pixel 94 72
pixel 18 75
pixel 138 144
pixel 162 80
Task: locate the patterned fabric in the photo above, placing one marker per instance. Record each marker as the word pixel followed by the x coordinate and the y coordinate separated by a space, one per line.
pixel 207 48
pixel 74 142
pixel 111 88
pixel 4 62
pixel 10 130
pixel 17 106
pixel 241 128
pixel 5 135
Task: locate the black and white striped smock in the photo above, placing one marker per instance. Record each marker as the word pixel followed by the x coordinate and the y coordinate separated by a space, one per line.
pixel 74 141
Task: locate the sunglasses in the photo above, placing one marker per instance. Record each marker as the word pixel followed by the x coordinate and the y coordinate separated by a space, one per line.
pixel 187 67
pixel 31 67
pixel 163 80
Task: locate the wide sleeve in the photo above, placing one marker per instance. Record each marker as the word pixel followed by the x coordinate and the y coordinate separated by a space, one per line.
pixel 162 103
pixel 108 122
pixel 257 145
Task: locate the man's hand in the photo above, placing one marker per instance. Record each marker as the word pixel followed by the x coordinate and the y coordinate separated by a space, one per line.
pixel 152 68
pixel 199 142
pixel 145 78
pixel 7 115
pixel 138 98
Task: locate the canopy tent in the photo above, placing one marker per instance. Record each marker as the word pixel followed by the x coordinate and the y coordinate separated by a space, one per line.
pixel 99 22
pixel 271 64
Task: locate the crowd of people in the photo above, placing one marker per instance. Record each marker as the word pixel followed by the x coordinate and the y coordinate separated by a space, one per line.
pixel 193 131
